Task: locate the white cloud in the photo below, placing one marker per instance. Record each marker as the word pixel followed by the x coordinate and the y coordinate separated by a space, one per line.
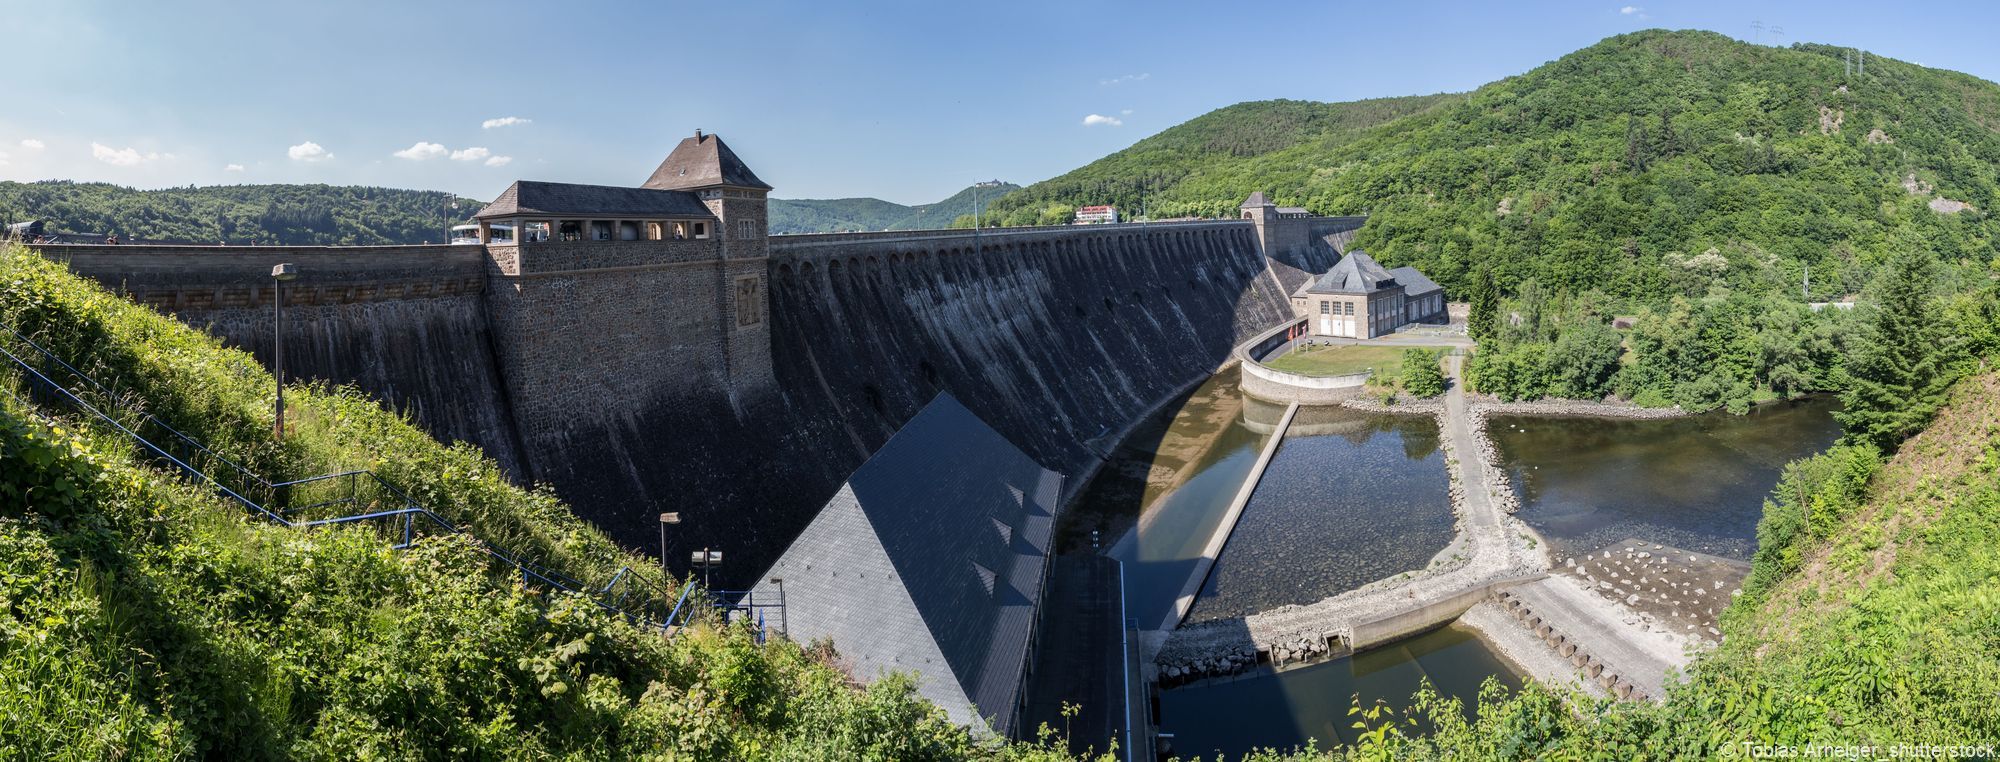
pixel 505 121
pixel 1126 112
pixel 308 152
pixel 1630 10
pixel 232 167
pixel 123 157
pixel 474 153
pixel 1124 79
pixel 1095 120
pixel 3 158
pixel 499 161
pixel 422 151
pixel 33 144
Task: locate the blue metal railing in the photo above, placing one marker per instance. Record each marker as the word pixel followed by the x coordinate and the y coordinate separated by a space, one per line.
pixel 375 507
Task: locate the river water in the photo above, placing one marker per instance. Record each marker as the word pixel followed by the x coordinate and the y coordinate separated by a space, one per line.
pixel 1286 709
pixel 1349 498
pixel 1697 483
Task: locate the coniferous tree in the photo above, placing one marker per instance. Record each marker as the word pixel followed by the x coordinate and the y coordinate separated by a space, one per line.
pixel 1483 321
pixel 1899 376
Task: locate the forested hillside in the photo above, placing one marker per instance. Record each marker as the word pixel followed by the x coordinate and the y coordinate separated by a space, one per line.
pixel 238 214
pixel 848 215
pixel 1649 164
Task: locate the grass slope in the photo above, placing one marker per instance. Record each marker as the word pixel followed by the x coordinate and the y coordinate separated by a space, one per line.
pixel 141 617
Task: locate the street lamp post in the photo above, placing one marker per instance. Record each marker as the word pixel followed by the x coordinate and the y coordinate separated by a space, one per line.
pixel 279 274
pixel 665 519
pixel 707 559
pixel 975 211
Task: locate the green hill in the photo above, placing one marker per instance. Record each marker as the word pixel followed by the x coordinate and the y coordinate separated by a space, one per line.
pixel 238 214
pixel 848 215
pixel 1622 167
pixel 834 215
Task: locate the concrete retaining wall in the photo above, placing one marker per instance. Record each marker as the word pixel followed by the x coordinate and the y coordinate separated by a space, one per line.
pixel 1418 618
pixel 1261 381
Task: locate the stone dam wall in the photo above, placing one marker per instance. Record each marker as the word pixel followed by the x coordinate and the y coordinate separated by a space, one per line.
pixel 1059 338
pixel 407 324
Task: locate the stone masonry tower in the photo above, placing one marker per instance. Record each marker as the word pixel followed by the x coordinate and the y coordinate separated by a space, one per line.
pixel 704 165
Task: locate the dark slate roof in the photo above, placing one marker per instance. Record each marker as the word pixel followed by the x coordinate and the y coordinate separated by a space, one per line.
pixel 700 162
pixel 929 560
pixel 1356 273
pixel 1414 283
pixel 537 197
pixel 1255 200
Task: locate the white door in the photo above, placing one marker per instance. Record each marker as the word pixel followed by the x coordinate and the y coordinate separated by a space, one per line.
pixel 1325 326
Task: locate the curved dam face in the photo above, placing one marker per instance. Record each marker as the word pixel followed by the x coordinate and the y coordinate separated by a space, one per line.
pixel 633 390
pixel 1059 340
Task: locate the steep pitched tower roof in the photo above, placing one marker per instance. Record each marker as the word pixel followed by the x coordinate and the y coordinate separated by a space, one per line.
pixel 1256 199
pixel 703 161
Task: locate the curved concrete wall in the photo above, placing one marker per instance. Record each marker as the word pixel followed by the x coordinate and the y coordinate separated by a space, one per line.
pixel 1276 385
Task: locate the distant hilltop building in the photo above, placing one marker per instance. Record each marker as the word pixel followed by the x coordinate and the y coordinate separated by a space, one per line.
pixel 1096 215
pixel 1359 299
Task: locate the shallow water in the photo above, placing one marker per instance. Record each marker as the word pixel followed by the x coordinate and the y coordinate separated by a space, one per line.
pixel 1286 709
pixel 1349 498
pixel 1192 470
pixel 1697 483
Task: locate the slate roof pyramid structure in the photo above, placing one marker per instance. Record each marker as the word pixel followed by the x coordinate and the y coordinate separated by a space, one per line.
pixel 1356 273
pixel 703 161
pixel 930 559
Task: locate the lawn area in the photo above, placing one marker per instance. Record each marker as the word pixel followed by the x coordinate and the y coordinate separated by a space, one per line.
pixel 1341 360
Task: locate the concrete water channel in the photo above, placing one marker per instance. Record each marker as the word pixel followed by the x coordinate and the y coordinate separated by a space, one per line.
pixel 1345 498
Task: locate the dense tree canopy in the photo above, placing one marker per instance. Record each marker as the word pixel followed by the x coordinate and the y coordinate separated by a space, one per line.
pixel 239 214
pixel 1651 163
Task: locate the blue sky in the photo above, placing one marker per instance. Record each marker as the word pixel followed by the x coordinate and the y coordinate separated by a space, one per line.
pixel 903 101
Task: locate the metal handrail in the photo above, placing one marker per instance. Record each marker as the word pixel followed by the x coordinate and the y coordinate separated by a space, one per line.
pixel 409 512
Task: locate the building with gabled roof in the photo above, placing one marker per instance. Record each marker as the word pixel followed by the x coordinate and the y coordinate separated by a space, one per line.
pixel 931 560
pixel 1360 299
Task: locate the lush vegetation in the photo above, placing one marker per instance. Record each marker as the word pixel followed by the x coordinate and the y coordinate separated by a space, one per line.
pixel 1207 166
pixel 238 214
pixel 1647 165
pixel 1422 377
pixel 848 215
pixel 143 617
